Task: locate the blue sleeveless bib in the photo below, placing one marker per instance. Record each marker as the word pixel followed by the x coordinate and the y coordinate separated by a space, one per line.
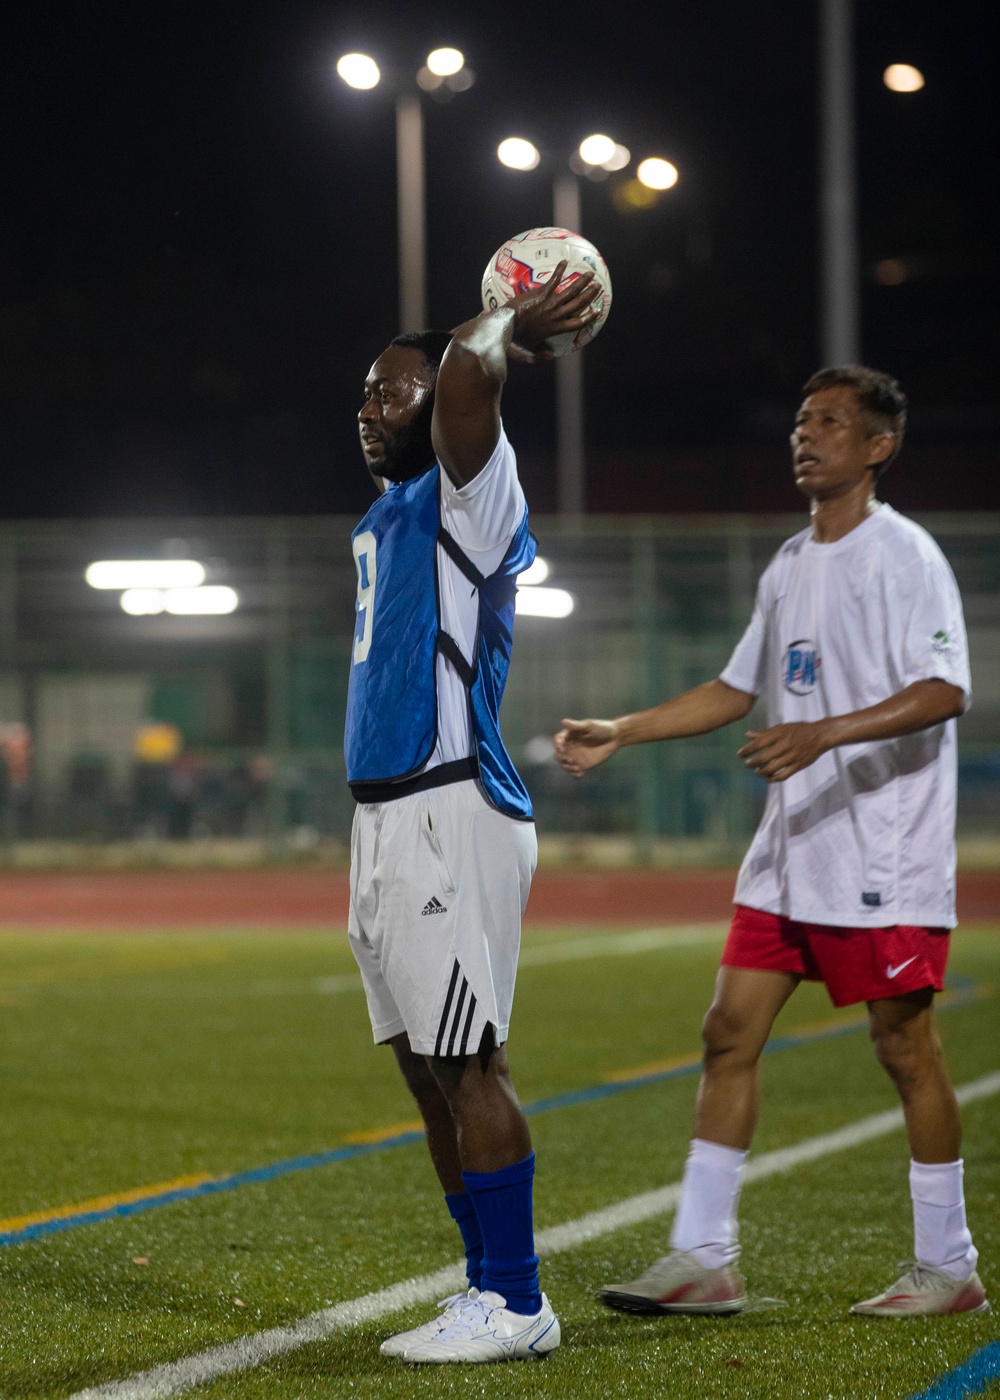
pixel 391 727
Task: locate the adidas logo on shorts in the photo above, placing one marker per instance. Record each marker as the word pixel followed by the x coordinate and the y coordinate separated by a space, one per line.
pixel 434 906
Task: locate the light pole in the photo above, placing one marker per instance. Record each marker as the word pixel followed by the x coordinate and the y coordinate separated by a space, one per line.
pixel 570 428
pixel 444 73
pixel 599 156
pixel 411 212
pixel 840 316
pixel 840 297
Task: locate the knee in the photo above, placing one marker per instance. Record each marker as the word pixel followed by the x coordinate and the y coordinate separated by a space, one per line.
pixel 419 1080
pixel 907 1059
pixel 425 1091
pixel 724 1036
pixel 472 1082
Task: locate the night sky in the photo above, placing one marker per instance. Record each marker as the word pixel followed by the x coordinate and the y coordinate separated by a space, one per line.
pixel 199 259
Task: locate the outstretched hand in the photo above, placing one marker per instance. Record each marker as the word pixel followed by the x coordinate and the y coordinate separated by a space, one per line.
pixel 777 753
pixel 545 311
pixel 584 743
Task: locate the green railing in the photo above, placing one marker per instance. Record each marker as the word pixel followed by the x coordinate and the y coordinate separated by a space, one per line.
pixel 258 695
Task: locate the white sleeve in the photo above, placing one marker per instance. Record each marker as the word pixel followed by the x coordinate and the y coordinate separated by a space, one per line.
pixel 484 514
pixel 928 628
pixel 745 668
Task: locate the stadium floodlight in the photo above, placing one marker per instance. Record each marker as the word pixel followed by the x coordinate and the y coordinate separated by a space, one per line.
pixel 445 68
pixel 215 600
pixel 358 70
pixel 145 573
pixel 597 150
pixel 619 158
pixel 518 154
pixel 537 572
pixel 444 63
pixel 142 602
pixel 657 174
pixel 903 77
pixel 544 602
pixel 443 74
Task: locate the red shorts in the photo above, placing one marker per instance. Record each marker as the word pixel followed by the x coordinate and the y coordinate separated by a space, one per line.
pixel 857 964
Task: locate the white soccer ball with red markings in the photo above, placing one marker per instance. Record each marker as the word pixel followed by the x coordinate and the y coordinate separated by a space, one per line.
pixel 529 259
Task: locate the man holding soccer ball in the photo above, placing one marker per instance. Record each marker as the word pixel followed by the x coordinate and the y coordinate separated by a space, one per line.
pixel 858 644
pixel 443 846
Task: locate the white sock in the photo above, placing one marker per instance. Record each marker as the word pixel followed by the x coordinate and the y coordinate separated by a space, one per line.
pixel 705 1224
pixel 940 1234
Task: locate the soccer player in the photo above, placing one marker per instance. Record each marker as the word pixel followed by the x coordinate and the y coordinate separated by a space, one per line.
pixel 443 846
pixel 858 645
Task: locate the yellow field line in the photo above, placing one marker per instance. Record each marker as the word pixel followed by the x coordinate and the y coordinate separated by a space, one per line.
pixel 982 992
pixel 375 1135
pixel 654 1067
pixel 381 1134
pixel 151 960
pixel 118 1198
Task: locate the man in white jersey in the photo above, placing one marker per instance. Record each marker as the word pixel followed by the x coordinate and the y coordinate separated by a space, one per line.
pixel 857 643
pixel 443 846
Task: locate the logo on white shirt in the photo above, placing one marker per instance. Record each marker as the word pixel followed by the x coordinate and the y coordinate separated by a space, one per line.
pixel 799 667
pixel 942 644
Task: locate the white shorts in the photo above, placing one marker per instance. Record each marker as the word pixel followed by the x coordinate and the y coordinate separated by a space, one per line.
pixel 439 881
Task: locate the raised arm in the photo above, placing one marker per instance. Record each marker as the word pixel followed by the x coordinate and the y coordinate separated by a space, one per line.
pixel 466 422
pixel 583 743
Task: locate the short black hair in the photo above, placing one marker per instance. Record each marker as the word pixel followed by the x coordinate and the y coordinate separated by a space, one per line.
pixel 431 344
pixel 879 397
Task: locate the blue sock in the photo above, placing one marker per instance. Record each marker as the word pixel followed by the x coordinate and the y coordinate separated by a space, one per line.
pixel 463 1212
pixel 502 1201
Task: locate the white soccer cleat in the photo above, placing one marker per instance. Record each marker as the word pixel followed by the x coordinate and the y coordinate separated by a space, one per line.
pixel 924 1290
pixel 677 1283
pixel 396 1346
pixel 485 1329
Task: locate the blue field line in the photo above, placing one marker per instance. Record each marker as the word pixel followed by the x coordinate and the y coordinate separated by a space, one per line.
pixel 253 1177
pixel 971 1378
pixel 661 1076
pixel 964 986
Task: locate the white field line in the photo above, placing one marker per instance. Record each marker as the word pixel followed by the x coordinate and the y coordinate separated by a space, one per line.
pixel 176 1377
pixel 647 940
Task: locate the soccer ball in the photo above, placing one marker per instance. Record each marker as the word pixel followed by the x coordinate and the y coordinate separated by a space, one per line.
pixel 529 259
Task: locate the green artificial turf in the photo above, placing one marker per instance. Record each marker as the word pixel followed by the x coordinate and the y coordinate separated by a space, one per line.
pixel 129 1061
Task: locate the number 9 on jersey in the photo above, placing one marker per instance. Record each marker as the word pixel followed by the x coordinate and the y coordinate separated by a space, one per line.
pixel 364 562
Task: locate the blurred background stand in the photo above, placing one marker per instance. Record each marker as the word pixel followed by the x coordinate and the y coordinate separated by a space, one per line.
pixel 190 728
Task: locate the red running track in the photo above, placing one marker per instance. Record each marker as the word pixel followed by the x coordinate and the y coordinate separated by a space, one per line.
pixel 317 898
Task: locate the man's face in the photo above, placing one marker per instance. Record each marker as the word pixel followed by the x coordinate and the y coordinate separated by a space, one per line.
pixel 395 418
pixel 833 448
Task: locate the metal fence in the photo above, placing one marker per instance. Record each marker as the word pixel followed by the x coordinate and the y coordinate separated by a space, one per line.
pixel 257 696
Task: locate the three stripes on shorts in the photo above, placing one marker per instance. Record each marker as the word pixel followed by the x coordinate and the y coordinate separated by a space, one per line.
pixel 458 1022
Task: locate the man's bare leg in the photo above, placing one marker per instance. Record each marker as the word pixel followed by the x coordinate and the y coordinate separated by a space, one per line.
pixel 439 1125
pixel 442 1142
pixel 498 1166
pixel 481 1149
pixel 491 1131
pixel 909 1050
pixel 700 1274
pixel 734 1034
pixel 470 1110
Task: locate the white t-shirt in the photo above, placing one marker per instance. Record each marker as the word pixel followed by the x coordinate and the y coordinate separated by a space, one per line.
pixel 482 517
pixel 865 836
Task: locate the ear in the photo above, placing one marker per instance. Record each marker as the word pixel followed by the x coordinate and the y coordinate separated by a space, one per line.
pixel 880 447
